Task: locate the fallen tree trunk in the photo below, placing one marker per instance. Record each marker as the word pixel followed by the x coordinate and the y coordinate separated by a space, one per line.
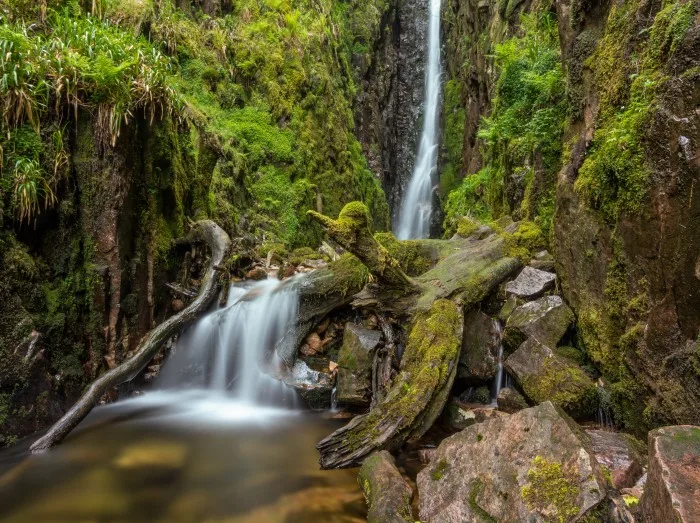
pixel 351 231
pixel 220 244
pixel 434 304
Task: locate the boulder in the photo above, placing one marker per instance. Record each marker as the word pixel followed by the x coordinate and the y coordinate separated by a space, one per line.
pixel 619 454
pixel 387 493
pixel 531 283
pixel 546 320
pixel 478 360
pixel 511 303
pixel 355 365
pixel 256 273
pixel 546 376
pixel 313 386
pixel 535 465
pixel 672 491
pixel 510 400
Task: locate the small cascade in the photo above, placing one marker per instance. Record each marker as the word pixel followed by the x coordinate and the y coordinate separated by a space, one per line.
pixel 231 350
pixel 416 206
pixel 334 398
pixel 604 416
pixel 498 381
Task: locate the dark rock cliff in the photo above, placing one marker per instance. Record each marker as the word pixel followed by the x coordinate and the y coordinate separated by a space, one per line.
pixel 388 110
pixel 626 248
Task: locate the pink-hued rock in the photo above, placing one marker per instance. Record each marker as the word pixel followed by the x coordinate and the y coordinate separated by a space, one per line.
pixel 482 471
pixel 616 451
pixel 672 492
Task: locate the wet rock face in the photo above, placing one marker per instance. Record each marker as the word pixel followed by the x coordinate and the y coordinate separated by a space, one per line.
pixel 546 320
pixel 531 283
pixel 478 360
pixel 616 452
pixel 355 365
pixel 654 250
pixel 672 491
pixel 387 493
pixel 388 109
pixel 544 375
pixel 535 465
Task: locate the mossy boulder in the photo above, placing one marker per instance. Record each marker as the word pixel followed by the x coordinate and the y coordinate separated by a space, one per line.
pixel 478 361
pixel 355 358
pixel 545 376
pixel 672 491
pixel 387 493
pixel 534 465
pixel 546 320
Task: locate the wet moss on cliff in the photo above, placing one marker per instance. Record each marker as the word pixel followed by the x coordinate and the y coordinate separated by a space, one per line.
pixel 614 177
pixel 523 134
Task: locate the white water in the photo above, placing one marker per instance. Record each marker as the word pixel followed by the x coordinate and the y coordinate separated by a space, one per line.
pixel 416 206
pixel 230 352
pixel 499 379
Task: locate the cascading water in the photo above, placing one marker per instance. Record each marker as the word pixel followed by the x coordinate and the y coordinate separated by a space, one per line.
pixel 231 351
pixel 499 379
pixel 416 206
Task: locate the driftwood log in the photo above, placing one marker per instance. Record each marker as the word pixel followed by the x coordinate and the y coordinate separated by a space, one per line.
pixel 434 304
pixel 220 244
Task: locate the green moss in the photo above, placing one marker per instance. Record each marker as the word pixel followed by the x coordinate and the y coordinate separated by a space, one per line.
pixel 426 370
pixel 551 490
pixel 453 136
pixel 524 242
pixel 614 176
pixel 565 385
pixel 413 256
pixel 439 470
pixel 466 227
pixel 524 130
pixel 571 353
pixel 630 500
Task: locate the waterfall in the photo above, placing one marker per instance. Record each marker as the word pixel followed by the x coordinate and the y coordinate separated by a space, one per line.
pixel 416 206
pixel 498 380
pixel 231 350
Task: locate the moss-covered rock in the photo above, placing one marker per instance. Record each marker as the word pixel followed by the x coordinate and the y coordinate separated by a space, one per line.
pixel 545 376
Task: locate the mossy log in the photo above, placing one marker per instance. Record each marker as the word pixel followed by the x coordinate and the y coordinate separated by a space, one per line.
pixel 415 400
pixel 220 244
pixel 434 303
pixel 351 231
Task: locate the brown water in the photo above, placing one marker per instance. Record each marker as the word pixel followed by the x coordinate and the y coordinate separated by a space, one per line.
pixel 178 460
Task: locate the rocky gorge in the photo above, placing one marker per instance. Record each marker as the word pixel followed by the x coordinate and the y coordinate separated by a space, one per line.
pixel 536 359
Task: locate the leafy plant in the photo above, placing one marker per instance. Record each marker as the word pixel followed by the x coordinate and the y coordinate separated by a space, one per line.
pixel 31 189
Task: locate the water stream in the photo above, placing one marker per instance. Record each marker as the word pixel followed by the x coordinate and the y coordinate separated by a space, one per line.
pixel 416 206
pixel 217 439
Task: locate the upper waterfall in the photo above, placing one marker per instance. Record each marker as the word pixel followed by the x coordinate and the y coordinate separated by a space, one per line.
pixel 416 205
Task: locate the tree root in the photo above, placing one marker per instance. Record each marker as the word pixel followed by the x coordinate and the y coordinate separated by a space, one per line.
pixel 220 244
